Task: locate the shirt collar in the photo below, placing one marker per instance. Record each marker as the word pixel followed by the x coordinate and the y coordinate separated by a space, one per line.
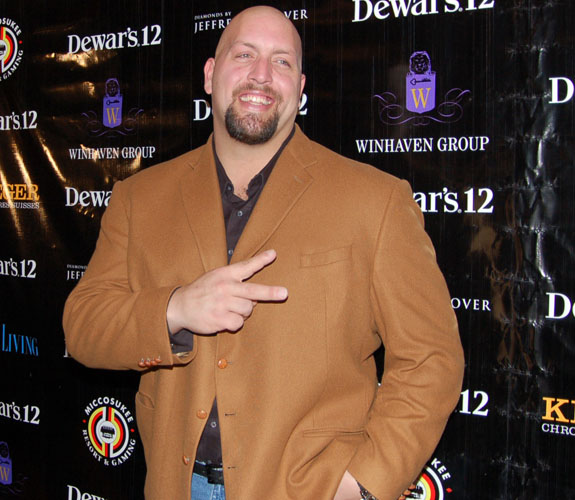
pixel 259 180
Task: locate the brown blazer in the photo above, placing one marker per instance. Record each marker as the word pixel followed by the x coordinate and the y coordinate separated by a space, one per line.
pixel 297 393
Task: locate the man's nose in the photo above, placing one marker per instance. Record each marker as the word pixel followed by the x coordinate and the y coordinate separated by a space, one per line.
pixel 261 71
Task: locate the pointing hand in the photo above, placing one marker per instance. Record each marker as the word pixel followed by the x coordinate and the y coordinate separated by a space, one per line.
pixel 222 299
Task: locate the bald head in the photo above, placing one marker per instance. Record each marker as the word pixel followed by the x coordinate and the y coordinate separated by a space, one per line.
pixel 260 16
pixel 255 78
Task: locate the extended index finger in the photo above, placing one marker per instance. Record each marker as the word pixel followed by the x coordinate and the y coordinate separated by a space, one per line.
pixel 259 293
pixel 247 268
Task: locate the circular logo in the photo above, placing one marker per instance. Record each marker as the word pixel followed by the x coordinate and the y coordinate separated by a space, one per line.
pixel 10 51
pixel 429 486
pixel 107 431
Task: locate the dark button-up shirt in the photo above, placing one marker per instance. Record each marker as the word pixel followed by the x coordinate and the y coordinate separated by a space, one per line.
pixel 236 215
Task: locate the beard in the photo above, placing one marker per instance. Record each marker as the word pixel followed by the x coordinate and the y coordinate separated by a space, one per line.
pixel 252 128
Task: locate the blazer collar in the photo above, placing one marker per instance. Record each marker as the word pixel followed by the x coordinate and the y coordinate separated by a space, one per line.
pixel 202 201
pixel 203 206
pixel 287 183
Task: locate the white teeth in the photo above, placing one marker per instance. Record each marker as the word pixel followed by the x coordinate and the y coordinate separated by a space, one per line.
pixel 257 99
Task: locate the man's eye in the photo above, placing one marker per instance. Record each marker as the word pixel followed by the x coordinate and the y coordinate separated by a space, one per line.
pixel 283 62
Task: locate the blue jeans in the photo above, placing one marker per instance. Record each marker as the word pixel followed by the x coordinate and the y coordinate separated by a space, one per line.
pixel 202 490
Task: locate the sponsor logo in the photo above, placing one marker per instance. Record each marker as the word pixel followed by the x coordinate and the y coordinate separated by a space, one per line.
pixel 203 110
pixel 562 89
pixel 111 122
pixel 5 464
pixel 74 272
pixel 559 417
pixel 473 403
pixel 19 344
pixel 10 51
pixel 127 152
pixel 25 268
pixel 27 414
pixel 431 485
pixel 23 121
pixel 107 433
pixel 10 484
pixel 473 201
pixel 460 303
pixel 422 144
pixel 212 21
pixel 87 198
pixel 420 98
pixel 129 38
pixel 296 15
pixel 559 306
pixel 394 9
pixel 219 20
pixel 19 196
pixel 74 493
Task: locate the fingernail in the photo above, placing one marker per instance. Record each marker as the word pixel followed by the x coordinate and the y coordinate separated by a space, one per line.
pixel 283 293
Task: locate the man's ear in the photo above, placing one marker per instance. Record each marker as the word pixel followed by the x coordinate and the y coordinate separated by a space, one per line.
pixel 302 84
pixel 208 74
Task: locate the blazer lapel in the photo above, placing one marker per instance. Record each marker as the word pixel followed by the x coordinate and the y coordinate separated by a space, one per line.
pixel 203 206
pixel 288 181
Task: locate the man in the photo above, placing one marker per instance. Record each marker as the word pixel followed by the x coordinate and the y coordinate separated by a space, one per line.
pixel 263 358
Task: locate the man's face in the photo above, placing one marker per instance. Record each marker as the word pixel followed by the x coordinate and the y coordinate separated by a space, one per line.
pixel 255 79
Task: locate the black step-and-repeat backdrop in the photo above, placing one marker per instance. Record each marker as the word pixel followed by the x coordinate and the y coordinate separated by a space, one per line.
pixel 469 100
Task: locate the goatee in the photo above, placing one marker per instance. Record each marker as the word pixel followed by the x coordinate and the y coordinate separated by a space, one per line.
pixel 251 128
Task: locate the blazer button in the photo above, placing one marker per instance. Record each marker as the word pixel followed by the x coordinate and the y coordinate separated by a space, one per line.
pixel 186 460
pixel 202 414
pixel 222 363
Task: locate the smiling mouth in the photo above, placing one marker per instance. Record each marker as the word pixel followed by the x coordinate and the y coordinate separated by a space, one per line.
pixel 256 99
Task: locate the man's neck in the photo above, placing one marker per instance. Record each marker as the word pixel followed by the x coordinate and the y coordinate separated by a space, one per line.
pixel 242 161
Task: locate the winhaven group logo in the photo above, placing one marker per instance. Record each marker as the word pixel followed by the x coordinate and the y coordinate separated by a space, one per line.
pixel 10 51
pixel 107 433
pixel 433 483
pixel 420 98
pixel 110 122
pixel 5 464
pixel 10 484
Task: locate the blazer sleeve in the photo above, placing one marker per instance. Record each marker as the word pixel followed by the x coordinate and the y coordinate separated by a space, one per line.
pixel 424 362
pixel 108 324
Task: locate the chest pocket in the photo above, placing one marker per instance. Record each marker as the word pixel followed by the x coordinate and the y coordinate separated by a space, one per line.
pixel 325 258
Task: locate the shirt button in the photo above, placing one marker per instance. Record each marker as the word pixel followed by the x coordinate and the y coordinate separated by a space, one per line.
pixel 202 414
pixel 230 252
pixel 222 363
pixel 213 425
pixel 240 213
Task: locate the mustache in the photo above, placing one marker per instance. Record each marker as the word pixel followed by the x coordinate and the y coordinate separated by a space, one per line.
pixel 266 89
